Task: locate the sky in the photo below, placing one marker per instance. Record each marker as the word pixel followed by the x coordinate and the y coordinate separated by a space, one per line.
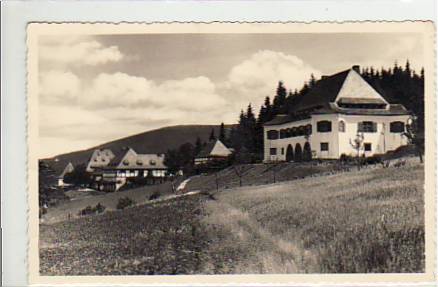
pixel 94 89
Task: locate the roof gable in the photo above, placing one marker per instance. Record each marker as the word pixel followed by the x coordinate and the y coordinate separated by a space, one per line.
pixel 325 91
pixel 68 169
pixel 219 149
pixel 133 160
pixel 99 158
pixel 355 87
pixel 214 148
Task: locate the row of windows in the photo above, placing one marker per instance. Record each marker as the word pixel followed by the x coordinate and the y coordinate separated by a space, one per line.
pixel 326 127
pixel 291 132
pixel 324 146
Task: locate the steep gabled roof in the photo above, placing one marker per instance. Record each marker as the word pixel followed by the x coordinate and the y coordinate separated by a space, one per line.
pixel 68 169
pixel 132 160
pixel 325 91
pixel 346 87
pixel 214 148
pixel 99 158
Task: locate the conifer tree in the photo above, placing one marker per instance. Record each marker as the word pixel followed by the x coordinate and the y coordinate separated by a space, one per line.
pixel 222 136
pixel 212 136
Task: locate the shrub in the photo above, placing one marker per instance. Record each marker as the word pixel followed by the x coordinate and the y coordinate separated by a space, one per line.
pixel 154 195
pixel 124 202
pixel 99 208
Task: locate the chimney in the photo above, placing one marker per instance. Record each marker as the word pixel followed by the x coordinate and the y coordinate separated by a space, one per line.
pixel 356 68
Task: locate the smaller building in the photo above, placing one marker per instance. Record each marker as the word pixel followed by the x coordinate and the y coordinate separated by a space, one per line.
pixel 214 150
pixel 130 167
pixel 67 169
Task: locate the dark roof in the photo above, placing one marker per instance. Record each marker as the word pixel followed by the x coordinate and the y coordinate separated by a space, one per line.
pixel 205 151
pixel 325 91
pixel 282 119
pixel 117 159
pixel 393 110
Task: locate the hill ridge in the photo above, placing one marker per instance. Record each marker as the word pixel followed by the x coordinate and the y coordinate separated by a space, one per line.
pixel 153 141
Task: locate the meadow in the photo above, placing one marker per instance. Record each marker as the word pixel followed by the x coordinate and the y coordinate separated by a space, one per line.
pixel 370 220
pixel 360 221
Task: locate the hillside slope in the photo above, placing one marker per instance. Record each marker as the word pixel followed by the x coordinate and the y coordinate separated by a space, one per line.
pixel 358 221
pixel 155 141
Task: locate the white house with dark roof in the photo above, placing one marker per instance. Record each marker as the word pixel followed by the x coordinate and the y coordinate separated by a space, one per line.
pixel 326 121
pixel 130 165
pixel 214 150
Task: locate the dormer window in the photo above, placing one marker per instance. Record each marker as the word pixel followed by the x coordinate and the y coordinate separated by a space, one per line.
pixel 361 103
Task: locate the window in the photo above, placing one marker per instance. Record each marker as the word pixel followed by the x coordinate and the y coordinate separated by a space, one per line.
pixel 294 132
pixel 308 129
pixel 367 127
pixel 282 150
pixel 324 126
pixel 397 127
pixel 273 151
pixel 324 146
pixel 272 134
pixel 282 133
pixel 367 146
pixel 342 126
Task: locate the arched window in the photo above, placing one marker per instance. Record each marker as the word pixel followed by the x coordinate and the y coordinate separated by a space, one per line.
pixel 342 126
pixel 397 127
pixel 288 133
pixel 272 134
pixel 298 155
pixel 324 126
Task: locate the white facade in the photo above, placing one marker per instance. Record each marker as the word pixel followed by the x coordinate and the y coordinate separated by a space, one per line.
pixel 339 142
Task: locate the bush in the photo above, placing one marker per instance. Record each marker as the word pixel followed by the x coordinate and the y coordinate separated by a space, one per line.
pixel 125 202
pixel 154 195
pixel 99 208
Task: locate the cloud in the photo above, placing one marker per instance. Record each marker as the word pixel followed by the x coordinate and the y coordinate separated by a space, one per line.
pixel 120 89
pixel 258 76
pixel 59 86
pixel 113 105
pixel 77 51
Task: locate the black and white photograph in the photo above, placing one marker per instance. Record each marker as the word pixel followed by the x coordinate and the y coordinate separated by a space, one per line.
pixel 228 152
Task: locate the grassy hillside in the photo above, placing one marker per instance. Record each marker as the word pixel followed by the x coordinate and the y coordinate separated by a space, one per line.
pixel 358 221
pixel 155 141
pixel 361 221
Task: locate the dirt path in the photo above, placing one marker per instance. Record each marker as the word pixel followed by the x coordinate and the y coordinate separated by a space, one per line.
pixel 247 247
